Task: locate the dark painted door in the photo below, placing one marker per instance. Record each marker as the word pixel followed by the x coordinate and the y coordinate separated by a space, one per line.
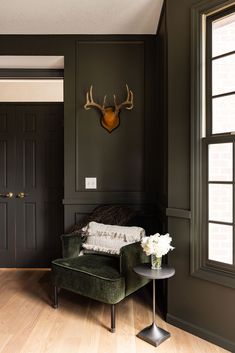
pixel 31 168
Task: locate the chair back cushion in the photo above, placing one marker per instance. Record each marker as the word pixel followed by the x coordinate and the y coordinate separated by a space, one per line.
pixel 108 238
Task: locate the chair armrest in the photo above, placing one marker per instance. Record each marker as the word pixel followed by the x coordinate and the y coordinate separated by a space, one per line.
pixel 130 256
pixel 71 244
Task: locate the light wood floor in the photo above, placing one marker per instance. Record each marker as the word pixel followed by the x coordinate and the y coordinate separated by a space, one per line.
pixel 28 323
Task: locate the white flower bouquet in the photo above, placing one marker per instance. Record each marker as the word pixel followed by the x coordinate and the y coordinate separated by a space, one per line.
pixel 157 245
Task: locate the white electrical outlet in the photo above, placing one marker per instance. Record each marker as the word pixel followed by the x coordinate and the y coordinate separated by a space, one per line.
pixel 90 183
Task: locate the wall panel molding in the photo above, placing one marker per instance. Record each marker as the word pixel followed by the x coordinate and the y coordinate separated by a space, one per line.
pixel 107 197
pixel 178 213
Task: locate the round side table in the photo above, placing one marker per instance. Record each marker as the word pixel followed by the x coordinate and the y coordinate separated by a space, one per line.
pixel 154 334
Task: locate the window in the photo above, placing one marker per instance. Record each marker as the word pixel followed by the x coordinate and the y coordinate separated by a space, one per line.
pixel 219 139
pixel 213 145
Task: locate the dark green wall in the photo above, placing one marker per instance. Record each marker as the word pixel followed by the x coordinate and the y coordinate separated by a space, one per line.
pixel 117 158
pixel 125 162
pixel 199 306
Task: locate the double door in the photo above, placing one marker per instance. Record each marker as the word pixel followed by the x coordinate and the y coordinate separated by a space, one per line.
pixel 31 183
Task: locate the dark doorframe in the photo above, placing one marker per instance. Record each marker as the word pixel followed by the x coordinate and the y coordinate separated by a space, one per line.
pixel 31 162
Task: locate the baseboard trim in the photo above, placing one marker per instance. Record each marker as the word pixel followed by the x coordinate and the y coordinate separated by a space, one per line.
pixel 200 332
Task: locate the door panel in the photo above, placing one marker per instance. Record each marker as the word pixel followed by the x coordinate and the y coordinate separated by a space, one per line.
pixel 3 226
pixel 7 229
pixel 7 180
pixel 38 167
pixel 3 163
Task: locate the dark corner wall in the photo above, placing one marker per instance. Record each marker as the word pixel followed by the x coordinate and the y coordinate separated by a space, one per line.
pixel 145 162
pixel 125 162
pixel 201 307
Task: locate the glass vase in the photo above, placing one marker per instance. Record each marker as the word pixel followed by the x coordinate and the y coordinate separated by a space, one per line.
pixel 156 262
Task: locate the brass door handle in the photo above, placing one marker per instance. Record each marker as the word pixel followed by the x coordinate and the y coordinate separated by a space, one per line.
pixel 21 195
pixel 9 195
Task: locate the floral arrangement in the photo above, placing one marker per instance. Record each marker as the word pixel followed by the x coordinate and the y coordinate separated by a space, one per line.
pixel 157 245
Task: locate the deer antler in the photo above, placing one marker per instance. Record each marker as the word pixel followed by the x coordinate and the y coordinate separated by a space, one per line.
pixel 128 101
pixel 90 101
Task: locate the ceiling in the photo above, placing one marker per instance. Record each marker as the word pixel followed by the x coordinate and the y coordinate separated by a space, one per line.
pixel 31 62
pixel 79 16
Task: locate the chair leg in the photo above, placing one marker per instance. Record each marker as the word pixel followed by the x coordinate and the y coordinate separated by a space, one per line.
pixel 112 318
pixel 55 304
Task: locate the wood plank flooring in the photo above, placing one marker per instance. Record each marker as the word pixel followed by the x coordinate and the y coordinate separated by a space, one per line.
pixel 28 323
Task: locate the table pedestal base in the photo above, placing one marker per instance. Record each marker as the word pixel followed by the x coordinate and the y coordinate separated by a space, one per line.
pixel 153 334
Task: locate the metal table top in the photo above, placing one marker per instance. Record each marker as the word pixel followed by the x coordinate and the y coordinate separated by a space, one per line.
pixel 146 271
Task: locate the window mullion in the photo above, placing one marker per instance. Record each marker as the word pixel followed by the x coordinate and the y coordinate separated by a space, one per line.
pixel 224 94
pixel 205 204
pixel 209 78
pixel 223 55
pixel 234 204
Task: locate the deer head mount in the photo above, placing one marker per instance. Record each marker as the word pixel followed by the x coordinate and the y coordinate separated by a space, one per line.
pixel 110 115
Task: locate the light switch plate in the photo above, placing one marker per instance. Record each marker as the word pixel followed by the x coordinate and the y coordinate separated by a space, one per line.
pixel 90 183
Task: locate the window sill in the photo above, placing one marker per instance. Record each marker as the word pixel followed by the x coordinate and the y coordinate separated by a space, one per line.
pixel 216 276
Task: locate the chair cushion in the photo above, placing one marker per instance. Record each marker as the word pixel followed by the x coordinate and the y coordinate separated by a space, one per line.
pixel 95 276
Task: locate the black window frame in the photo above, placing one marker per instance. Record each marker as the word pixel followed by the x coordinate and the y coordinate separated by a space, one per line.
pixel 203 14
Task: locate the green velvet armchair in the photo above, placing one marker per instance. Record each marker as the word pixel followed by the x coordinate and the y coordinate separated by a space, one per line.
pixel 106 278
